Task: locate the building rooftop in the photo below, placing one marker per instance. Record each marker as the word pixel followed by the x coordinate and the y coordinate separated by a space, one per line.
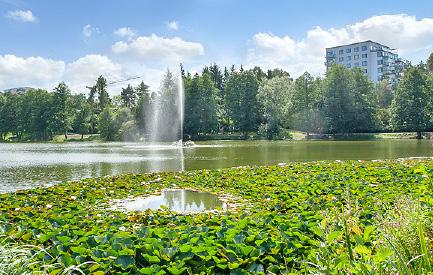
pixel 360 42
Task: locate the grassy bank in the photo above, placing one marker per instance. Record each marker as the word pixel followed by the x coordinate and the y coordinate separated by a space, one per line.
pixel 318 217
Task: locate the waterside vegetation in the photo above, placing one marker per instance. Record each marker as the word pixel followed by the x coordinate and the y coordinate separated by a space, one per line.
pixel 369 217
pixel 229 102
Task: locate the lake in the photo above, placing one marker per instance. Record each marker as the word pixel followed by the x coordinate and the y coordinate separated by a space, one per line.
pixel 27 165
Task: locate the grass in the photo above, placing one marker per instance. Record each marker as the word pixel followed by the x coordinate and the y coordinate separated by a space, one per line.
pixel 311 218
pixel 25 259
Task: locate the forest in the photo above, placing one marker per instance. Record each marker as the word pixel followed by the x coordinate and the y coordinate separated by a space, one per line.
pixel 250 103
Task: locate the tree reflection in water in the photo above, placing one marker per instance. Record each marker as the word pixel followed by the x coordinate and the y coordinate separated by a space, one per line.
pixel 178 200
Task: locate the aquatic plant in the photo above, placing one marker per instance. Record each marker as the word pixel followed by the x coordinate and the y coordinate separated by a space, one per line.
pixel 315 217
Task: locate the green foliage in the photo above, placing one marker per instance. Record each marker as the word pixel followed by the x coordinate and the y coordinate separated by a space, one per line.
pixel 241 101
pixel 106 125
pixel 80 112
pixel 128 96
pixel 59 120
pixel 430 63
pixel 307 98
pixel 141 111
pixel 315 217
pixel 201 108
pixel 226 103
pixel 349 104
pixel 274 96
pixel 412 104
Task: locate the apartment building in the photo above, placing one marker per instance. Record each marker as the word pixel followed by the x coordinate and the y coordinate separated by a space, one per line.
pixel 377 61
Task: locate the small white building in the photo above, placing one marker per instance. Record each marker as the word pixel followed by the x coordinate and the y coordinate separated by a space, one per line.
pixel 377 61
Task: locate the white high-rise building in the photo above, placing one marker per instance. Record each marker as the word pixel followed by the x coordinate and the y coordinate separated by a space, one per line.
pixel 377 61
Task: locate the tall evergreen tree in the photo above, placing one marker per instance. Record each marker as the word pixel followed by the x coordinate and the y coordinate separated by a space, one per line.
pixel 128 96
pixel 59 122
pixel 101 88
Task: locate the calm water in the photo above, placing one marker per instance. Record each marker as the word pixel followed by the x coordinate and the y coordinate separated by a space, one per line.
pixel 39 164
pixel 176 200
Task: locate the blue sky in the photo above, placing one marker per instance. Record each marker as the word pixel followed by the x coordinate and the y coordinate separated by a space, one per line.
pixel 43 42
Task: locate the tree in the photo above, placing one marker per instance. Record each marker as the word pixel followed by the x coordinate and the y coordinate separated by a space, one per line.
pixel 80 111
pixel 430 63
pixel 216 76
pixel 128 96
pixel 59 122
pixel 201 105
pixel 100 89
pixel 411 107
pixel 36 108
pixel 123 125
pixel 106 124
pixel 241 101
pixel 385 94
pixel 338 100
pixel 274 95
pixel 11 115
pixel 306 104
pixel 3 130
pixel 365 103
pixel 277 73
pixel 141 111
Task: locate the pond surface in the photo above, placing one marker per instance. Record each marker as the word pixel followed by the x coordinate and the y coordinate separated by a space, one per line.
pixel 182 201
pixel 26 165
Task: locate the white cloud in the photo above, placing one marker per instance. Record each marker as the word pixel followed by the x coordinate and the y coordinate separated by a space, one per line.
pixel 413 38
pixel 88 30
pixel 39 72
pixel 172 25
pixel 85 70
pixel 32 71
pixel 125 32
pixel 156 48
pixel 22 16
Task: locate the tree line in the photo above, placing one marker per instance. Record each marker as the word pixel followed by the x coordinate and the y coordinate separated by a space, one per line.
pixel 230 100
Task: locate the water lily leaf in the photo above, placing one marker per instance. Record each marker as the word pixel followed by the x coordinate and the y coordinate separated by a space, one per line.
pixel 125 261
pixel 151 258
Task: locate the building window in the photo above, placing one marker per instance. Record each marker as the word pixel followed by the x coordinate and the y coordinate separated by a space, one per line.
pixel 356 64
pixel 340 59
pixel 356 56
pixel 349 50
pixel 330 53
pixel 379 78
pixel 364 63
pixel 380 62
pixel 364 48
pixel 379 54
pixel 365 71
pixel 379 70
pixel 364 55
pixel 349 58
pixel 349 65
pixel 340 51
pixel 356 49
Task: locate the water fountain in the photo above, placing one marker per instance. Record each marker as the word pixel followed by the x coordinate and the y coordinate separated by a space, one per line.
pixel 165 119
pixel 166 112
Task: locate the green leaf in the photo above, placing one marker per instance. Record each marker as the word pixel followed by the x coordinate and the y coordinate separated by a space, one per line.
pixel 125 261
pixel 151 258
